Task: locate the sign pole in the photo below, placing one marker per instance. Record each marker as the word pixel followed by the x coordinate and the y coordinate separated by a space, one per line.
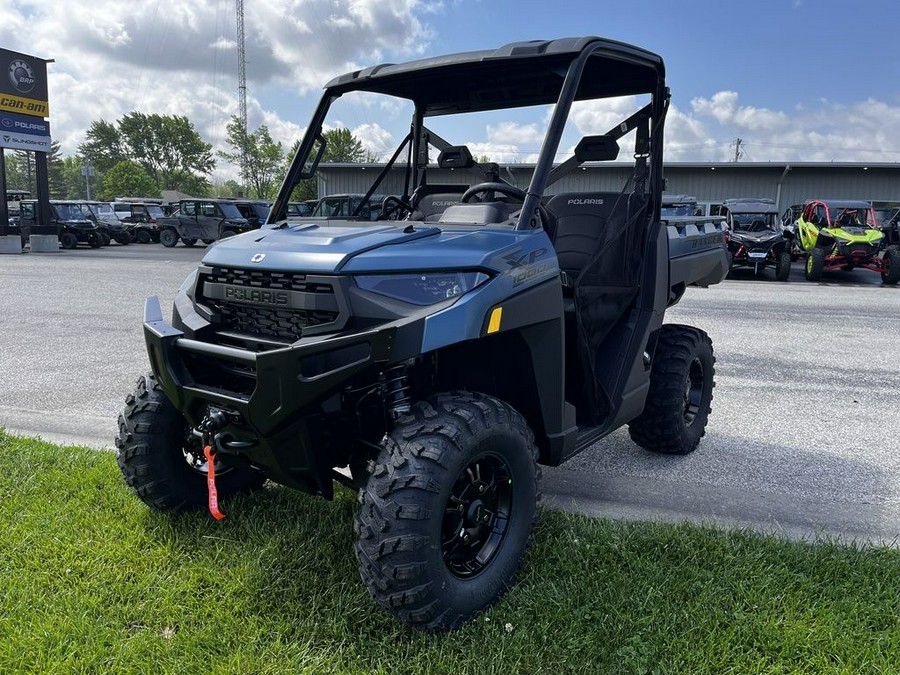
pixel 4 212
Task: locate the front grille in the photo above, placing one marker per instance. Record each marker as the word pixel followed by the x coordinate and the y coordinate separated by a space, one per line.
pixel 315 305
pixel 285 324
pixel 288 281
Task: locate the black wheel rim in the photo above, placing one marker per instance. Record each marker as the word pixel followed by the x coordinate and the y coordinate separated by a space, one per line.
pixel 693 392
pixel 192 449
pixel 477 515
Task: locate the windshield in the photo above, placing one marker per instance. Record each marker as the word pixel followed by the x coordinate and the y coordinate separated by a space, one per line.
pixel 155 211
pixel 261 211
pixel 753 222
pixel 298 209
pixel 680 210
pixel 852 217
pixel 69 211
pixel 103 211
pixel 229 210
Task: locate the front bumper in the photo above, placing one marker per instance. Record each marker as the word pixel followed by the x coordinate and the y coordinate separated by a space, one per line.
pixel 274 432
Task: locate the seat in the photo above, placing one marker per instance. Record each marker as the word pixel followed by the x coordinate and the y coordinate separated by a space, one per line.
pixel 580 221
pixel 430 201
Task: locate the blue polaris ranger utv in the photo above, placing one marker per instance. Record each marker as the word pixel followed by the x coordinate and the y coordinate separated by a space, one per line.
pixel 434 358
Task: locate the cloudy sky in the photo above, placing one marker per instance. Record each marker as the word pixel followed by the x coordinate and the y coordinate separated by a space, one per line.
pixel 799 80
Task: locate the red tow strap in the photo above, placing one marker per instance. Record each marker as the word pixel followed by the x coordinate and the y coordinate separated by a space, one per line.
pixel 211 484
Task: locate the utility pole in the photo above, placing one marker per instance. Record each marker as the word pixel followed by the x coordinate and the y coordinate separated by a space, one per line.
pixel 242 89
pixel 88 172
pixel 737 148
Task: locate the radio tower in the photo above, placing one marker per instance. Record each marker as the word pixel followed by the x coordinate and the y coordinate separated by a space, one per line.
pixel 242 89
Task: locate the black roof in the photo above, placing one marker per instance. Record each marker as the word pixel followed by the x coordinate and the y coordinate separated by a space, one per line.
pixel 515 75
pixel 844 203
pixel 751 205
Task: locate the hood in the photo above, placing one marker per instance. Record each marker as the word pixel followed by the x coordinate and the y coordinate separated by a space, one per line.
pixel 330 247
pixel 856 234
pixel 755 237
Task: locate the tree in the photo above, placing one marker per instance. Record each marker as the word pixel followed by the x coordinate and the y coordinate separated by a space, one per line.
pixel 103 148
pixel 20 172
pixel 128 179
pixel 168 148
pixel 230 188
pixel 264 157
pixel 55 176
pixel 342 146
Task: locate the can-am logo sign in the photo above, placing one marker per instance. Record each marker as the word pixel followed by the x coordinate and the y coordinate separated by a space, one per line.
pixel 21 75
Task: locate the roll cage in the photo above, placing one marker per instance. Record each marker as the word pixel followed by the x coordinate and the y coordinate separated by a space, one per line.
pixel 555 72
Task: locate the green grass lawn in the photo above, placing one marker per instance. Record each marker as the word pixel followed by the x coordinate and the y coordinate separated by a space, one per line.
pixel 91 581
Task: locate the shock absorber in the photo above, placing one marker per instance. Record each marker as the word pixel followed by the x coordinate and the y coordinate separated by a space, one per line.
pixel 397 391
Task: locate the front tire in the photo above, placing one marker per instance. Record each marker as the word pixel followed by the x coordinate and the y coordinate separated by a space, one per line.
pixel 682 378
pixel 188 242
pixel 890 272
pixel 815 264
pixel 447 512
pixel 160 459
pixel 68 240
pixel 783 267
pixel 168 237
pixel 142 236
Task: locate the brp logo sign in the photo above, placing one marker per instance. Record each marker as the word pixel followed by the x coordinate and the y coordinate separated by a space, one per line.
pixel 258 257
pixel 21 75
pixel 6 123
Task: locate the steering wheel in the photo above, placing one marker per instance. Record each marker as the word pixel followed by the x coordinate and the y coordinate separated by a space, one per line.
pixel 509 191
pixel 395 208
pixel 502 188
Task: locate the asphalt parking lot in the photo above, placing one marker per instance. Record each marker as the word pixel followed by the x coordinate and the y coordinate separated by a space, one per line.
pixel 804 438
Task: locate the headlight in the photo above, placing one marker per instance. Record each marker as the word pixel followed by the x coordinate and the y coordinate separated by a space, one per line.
pixel 422 289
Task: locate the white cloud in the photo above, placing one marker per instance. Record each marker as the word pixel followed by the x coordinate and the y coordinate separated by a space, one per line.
pixel 176 57
pixel 376 140
pixel 511 133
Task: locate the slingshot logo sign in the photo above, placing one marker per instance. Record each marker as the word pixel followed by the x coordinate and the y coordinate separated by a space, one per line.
pixel 21 75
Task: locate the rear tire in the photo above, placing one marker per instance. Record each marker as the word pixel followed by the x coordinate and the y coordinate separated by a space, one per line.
pixel 123 238
pixel 682 378
pixel 783 268
pixel 890 273
pixel 815 264
pixel 448 510
pixel 162 462
pixel 208 241
pixel 188 242
pixel 142 237
pixel 168 237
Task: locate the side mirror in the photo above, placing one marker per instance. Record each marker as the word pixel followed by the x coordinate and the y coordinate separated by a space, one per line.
pixel 597 149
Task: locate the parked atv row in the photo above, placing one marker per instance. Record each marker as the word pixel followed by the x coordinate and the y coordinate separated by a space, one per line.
pixel 827 235
pixel 844 235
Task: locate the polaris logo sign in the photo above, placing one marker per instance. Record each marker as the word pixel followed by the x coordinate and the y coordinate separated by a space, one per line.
pixel 259 296
pixel 252 296
pixel 22 124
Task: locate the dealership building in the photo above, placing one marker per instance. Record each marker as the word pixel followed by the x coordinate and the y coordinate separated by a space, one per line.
pixel 712 182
